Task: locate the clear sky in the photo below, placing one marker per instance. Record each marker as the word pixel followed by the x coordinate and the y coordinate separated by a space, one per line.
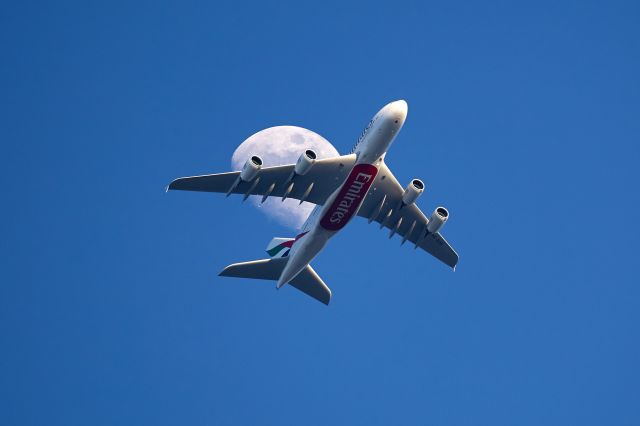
pixel 524 120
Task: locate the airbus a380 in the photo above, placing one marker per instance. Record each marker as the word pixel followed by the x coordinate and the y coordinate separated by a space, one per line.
pixel 341 187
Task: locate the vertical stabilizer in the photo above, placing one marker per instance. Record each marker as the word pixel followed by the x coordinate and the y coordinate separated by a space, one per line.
pixel 279 247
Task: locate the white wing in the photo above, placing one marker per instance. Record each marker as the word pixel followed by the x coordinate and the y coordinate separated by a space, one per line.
pixel 315 186
pixel 384 205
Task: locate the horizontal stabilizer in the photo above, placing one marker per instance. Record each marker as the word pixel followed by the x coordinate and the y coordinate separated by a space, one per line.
pixel 306 281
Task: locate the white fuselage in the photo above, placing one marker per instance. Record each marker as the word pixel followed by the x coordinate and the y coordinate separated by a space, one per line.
pixel 327 220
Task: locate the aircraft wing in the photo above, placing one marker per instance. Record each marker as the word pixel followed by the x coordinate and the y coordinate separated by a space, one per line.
pixel 384 205
pixel 315 186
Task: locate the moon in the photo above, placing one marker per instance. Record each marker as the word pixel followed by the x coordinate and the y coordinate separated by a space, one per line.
pixel 278 146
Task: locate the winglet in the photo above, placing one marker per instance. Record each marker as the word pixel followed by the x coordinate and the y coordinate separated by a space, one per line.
pixel 171 184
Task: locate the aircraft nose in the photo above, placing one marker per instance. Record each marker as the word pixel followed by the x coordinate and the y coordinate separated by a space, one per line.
pixel 399 110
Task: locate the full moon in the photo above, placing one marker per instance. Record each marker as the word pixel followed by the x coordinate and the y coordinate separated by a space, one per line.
pixel 278 146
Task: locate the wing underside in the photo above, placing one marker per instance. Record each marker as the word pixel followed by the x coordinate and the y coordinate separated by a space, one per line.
pixel 279 181
pixel 383 205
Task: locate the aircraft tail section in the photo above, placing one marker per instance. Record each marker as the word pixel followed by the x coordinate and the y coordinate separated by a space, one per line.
pixel 306 281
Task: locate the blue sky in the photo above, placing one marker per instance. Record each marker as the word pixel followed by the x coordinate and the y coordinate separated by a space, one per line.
pixel 523 121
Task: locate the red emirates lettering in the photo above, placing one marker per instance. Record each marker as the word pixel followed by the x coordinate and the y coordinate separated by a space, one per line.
pixel 350 197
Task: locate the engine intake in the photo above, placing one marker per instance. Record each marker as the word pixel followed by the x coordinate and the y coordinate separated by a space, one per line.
pixel 438 219
pixel 305 162
pixel 251 168
pixel 413 191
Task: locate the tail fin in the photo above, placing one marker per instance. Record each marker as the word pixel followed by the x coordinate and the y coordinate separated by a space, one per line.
pixel 306 281
pixel 279 247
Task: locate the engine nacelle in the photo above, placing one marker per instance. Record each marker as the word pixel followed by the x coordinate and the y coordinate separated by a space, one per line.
pixel 305 162
pixel 251 168
pixel 438 219
pixel 413 191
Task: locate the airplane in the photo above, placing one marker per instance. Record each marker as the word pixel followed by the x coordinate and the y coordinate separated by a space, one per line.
pixel 357 184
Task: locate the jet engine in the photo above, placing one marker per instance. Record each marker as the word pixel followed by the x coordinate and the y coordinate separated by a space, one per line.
pixel 305 162
pixel 413 191
pixel 438 219
pixel 251 168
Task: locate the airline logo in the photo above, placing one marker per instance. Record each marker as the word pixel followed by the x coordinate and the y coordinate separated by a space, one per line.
pixel 350 197
pixel 283 249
